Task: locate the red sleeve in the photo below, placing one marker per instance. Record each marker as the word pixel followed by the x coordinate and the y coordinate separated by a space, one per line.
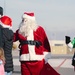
pixel 15 36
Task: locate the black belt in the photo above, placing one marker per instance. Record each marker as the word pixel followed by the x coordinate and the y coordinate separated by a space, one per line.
pixel 30 42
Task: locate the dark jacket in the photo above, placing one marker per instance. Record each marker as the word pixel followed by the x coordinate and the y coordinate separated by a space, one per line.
pixel 7 42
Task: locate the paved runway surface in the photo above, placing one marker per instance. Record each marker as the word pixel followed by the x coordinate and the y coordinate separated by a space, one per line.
pixel 61 63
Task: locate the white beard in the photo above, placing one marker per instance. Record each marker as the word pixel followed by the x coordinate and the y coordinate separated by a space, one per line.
pixel 25 27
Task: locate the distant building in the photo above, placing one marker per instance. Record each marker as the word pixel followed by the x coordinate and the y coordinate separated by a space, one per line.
pixel 59 47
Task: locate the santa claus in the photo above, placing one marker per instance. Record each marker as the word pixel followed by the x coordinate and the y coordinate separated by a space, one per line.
pixel 34 45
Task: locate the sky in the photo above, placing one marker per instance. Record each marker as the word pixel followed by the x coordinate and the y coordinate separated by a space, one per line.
pixel 52 15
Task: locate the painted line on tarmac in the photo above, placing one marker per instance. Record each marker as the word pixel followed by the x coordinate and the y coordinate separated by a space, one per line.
pixel 58 67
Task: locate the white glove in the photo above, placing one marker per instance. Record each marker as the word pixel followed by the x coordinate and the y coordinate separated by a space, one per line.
pixel 47 55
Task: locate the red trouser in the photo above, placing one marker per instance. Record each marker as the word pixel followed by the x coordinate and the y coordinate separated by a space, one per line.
pixel 31 67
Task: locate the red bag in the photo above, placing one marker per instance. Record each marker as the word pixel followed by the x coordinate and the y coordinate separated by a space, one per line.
pixel 48 70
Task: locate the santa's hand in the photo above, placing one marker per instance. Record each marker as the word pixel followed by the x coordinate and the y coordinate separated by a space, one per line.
pixel 47 55
pixel 67 39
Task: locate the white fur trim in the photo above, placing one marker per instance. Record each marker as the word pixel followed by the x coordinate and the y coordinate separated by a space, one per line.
pixel 26 16
pixel 5 26
pixel 31 48
pixel 26 57
pixel 47 55
pixel 70 45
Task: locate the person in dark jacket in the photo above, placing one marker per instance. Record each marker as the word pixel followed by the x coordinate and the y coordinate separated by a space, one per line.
pixel 7 42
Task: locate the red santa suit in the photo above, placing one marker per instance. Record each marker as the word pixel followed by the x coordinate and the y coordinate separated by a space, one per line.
pixel 34 48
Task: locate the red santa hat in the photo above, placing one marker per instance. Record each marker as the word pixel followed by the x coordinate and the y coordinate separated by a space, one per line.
pixel 28 15
pixel 6 22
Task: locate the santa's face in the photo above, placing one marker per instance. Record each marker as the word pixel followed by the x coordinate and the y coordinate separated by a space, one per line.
pixel 24 20
pixel 26 25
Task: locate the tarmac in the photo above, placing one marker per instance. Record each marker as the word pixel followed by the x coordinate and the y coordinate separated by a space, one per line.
pixel 61 63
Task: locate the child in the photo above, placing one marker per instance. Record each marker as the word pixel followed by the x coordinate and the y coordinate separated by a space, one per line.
pixel 2 61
